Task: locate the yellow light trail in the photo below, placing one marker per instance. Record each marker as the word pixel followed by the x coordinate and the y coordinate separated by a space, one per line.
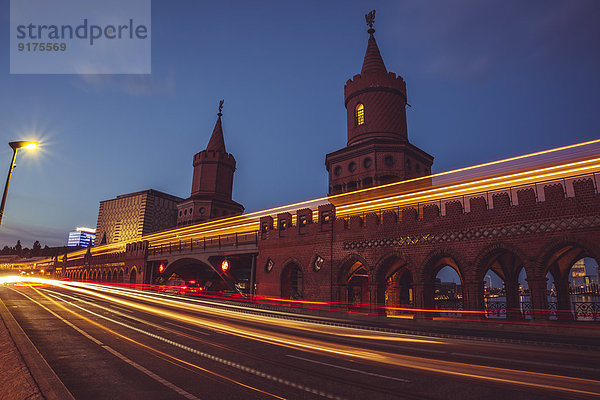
pixel 563 384
pixel 444 185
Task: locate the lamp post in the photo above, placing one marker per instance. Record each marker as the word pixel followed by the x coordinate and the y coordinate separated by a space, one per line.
pixel 21 144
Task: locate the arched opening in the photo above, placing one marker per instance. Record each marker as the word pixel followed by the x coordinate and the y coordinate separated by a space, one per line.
pixel 207 276
pixel 447 291
pixel 494 295
pixel 108 276
pixel 394 286
pixel 103 276
pixel 499 269
pixel 120 276
pixel 353 283
pixel 133 276
pixel 572 272
pixel 585 290
pixel 292 282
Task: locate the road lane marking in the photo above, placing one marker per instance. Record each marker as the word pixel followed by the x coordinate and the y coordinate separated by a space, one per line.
pixel 542 381
pixel 526 362
pixel 202 354
pixel 349 369
pixel 189 329
pixel 151 374
pixel 116 353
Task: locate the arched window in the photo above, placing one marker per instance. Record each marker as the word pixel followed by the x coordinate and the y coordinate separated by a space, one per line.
pixel 359 114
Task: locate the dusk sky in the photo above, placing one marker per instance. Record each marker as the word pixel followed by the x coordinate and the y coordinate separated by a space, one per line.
pixel 486 80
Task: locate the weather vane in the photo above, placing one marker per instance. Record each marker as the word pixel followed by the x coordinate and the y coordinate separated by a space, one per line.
pixel 221 107
pixel 370 17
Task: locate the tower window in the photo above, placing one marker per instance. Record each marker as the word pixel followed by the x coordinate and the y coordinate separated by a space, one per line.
pixel 359 114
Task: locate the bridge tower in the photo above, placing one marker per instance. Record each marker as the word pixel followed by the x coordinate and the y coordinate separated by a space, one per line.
pixel 378 150
pixel 212 182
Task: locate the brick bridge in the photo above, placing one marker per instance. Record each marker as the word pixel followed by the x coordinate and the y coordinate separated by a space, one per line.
pixel 392 257
pixel 388 257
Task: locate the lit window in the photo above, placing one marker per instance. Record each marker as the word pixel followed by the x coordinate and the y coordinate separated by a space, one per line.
pixel 360 114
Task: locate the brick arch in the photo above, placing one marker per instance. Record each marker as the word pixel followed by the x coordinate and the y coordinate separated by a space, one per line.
pixel 398 294
pixel 429 268
pixel 484 259
pixel 132 276
pixel 558 257
pixel 550 252
pixel 381 268
pixel 343 269
pixel 344 265
pixel 289 288
pixel 509 261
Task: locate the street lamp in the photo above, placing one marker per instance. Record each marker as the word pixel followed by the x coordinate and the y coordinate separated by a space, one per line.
pixel 21 144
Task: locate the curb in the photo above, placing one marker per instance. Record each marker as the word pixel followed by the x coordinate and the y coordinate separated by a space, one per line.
pixel 50 385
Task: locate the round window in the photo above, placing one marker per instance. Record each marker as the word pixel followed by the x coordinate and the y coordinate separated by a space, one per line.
pixel 389 161
pixel 367 162
pixel 352 166
pixel 337 170
pixel 202 210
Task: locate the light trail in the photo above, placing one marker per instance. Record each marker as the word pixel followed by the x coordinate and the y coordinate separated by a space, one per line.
pixel 527 169
pixel 537 380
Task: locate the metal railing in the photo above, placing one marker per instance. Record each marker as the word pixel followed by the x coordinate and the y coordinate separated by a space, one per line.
pixel 207 243
pixel 580 310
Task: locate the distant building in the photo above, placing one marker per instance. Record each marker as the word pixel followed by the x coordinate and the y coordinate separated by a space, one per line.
pixel 578 273
pixel 130 216
pixel 82 237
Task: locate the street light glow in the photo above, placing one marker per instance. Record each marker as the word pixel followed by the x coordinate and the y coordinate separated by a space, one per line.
pixel 19 144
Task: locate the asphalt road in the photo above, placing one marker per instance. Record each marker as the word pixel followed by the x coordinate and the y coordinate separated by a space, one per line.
pixel 109 343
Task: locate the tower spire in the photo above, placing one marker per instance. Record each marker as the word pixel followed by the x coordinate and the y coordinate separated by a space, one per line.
pixel 216 142
pixel 373 61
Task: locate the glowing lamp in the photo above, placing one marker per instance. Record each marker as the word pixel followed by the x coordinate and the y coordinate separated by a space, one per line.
pixel 225 265
pixel 20 144
pixel 161 268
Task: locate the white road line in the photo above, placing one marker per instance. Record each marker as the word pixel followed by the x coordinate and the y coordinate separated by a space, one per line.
pixel 512 360
pixel 117 354
pixel 151 374
pixel 349 369
pixel 209 356
pixel 189 329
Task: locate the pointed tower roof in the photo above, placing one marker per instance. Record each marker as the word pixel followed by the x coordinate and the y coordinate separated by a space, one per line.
pixel 373 61
pixel 216 142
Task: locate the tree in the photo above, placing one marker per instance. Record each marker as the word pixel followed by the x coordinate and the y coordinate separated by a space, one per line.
pixel 18 248
pixel 6 250
pixel 37 247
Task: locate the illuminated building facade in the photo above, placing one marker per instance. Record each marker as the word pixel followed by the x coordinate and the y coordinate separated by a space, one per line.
pixel 81 237
pixel 212 183
pixel 129 216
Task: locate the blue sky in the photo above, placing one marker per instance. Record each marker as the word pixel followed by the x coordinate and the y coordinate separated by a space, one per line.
pixel 486 80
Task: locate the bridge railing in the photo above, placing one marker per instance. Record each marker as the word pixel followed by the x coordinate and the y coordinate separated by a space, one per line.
pixel 512 192
pixel 207 243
